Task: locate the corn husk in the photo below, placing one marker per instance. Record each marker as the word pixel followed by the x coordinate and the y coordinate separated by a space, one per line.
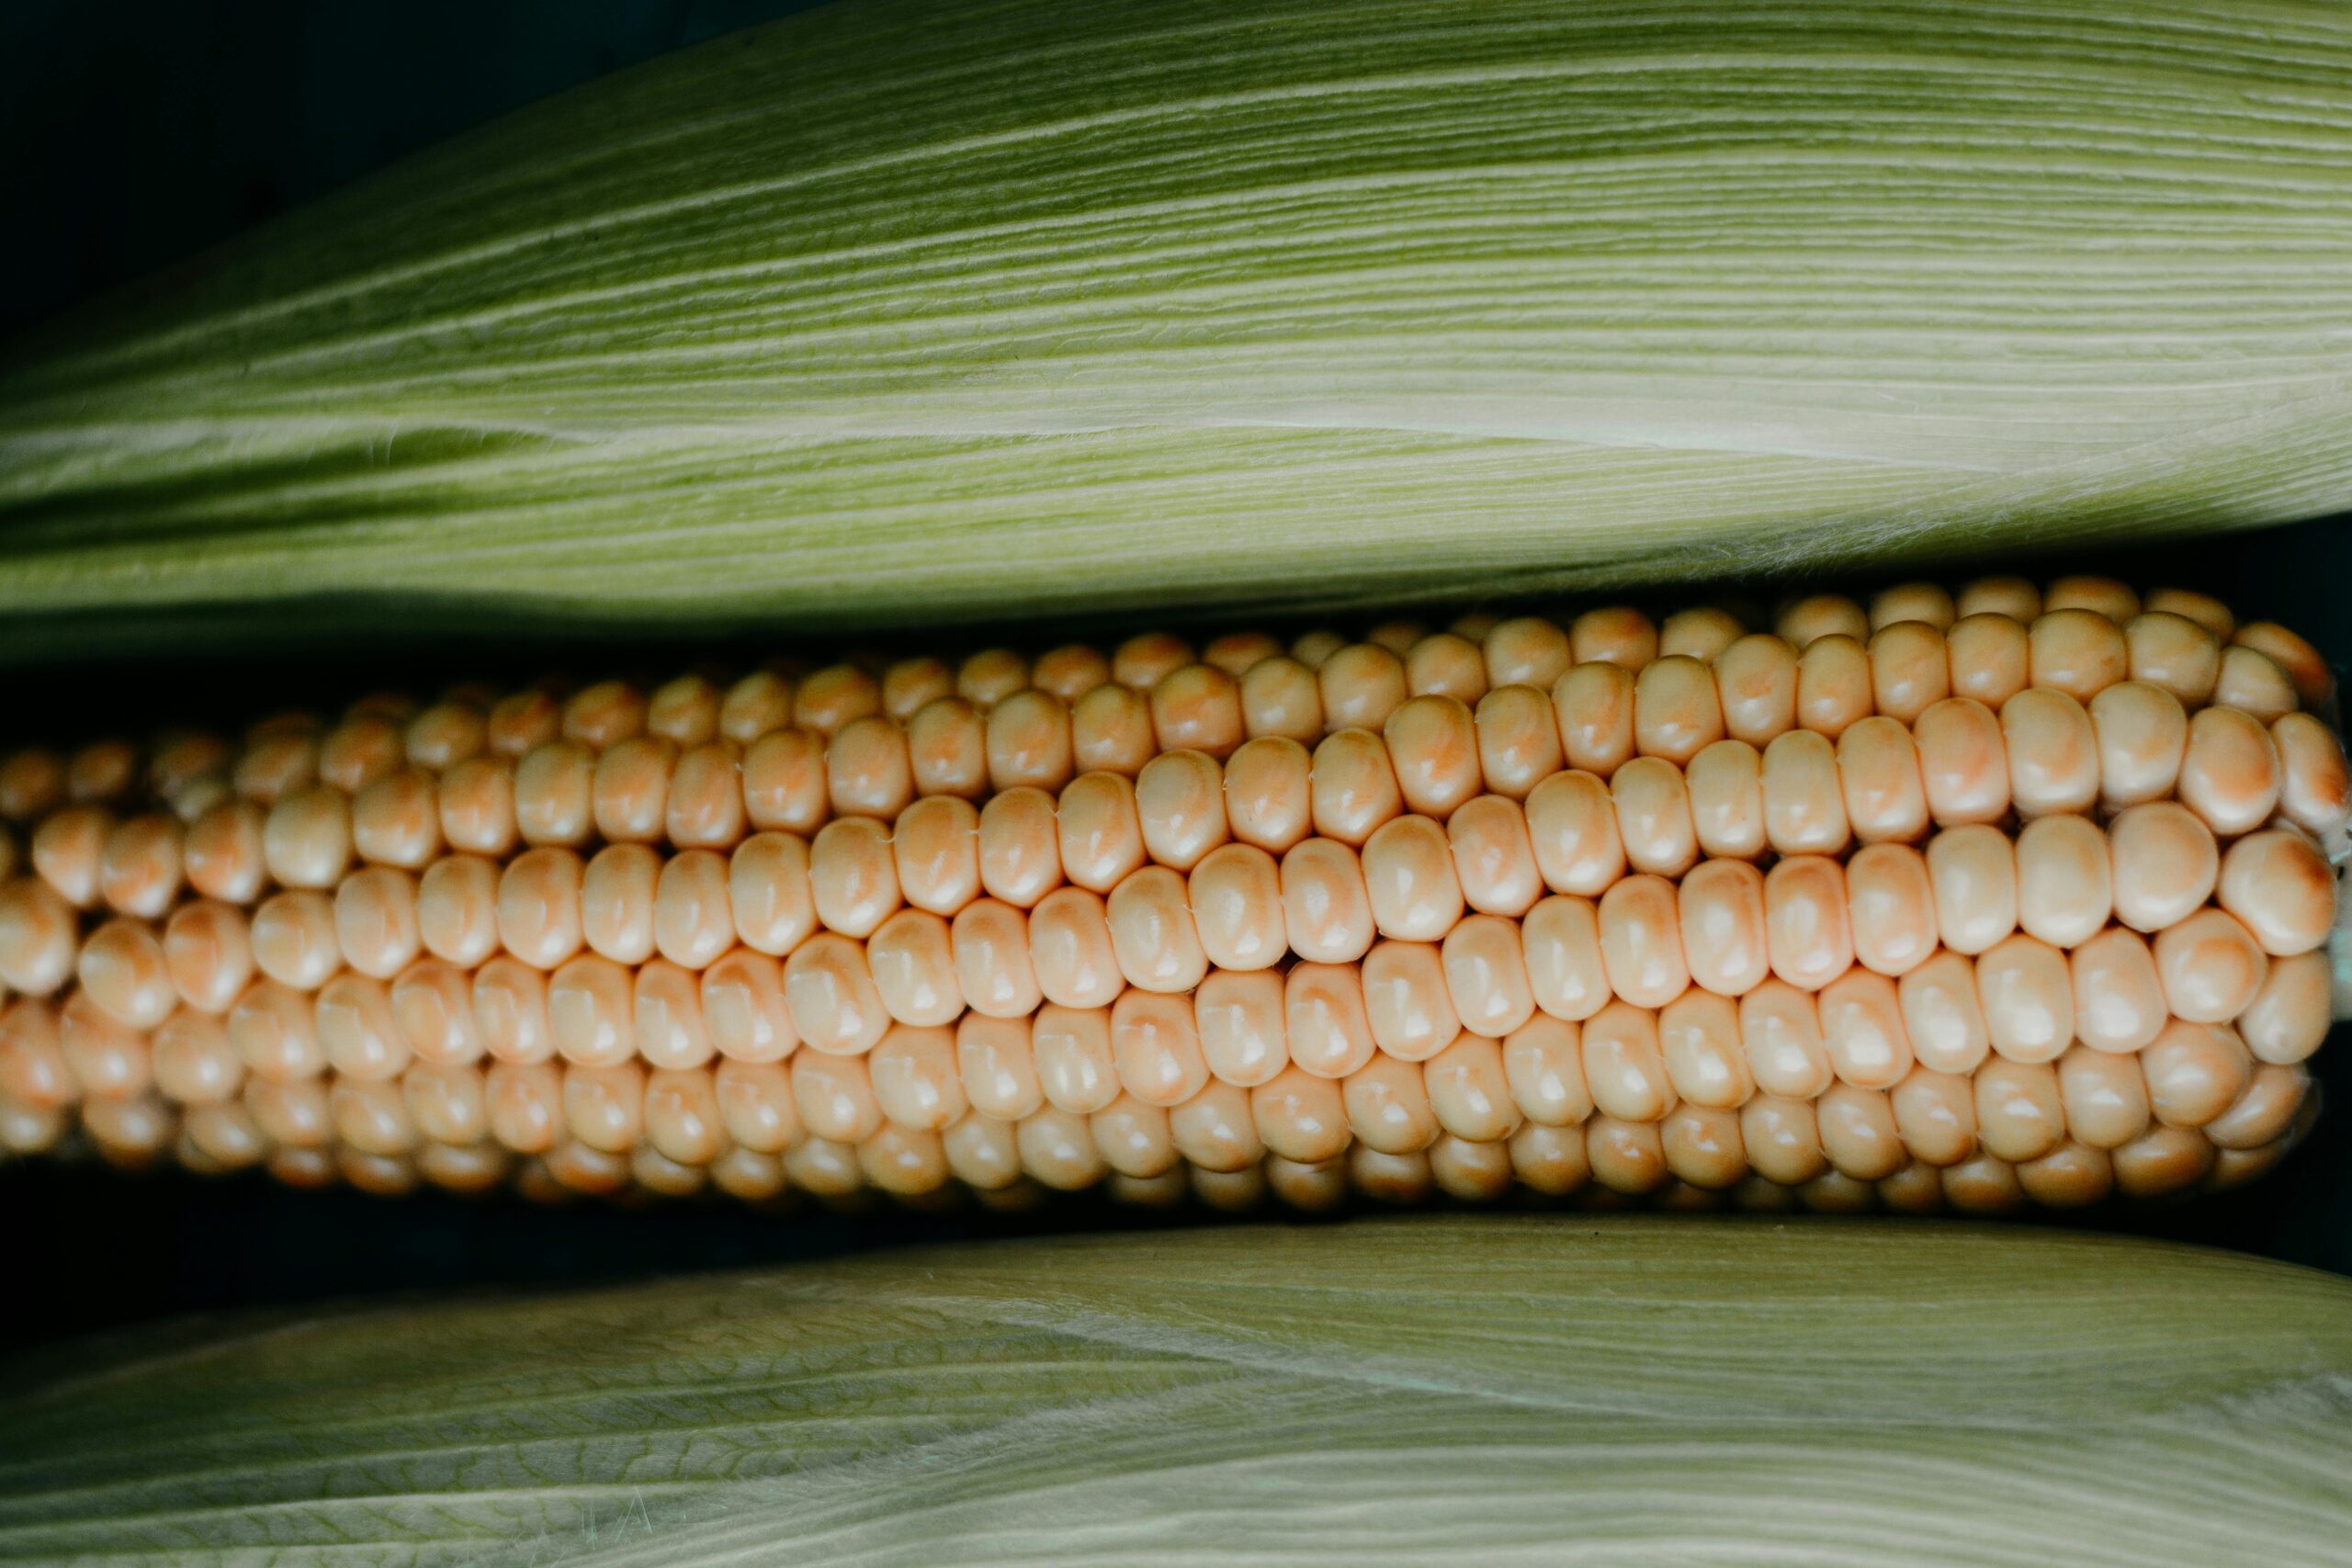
pixel 926 310
pixel 1488 1389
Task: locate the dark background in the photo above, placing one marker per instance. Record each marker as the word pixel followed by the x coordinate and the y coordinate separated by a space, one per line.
pixel 141 131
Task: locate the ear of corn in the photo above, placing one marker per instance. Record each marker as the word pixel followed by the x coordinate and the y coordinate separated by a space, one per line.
pixel 934 310
pixel 1486 1388
pixel 1954 900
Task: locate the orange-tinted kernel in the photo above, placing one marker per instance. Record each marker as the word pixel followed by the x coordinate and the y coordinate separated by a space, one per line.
pixel 68 850
pixel 2252 682
pixel 39 937
pixel 476 800
pixel 2315 681
pixel 1445 664
pixel 946 749
pixel 1180 806
pixel 706 798
pixel 1111 731
pixel 1198 707
pixel 538 907
pixel 2053 754
pixel 2229 774
pixel 1594 705
pixel 1833 685
pixel 1863 1029
pixel 757 704
pixel 2065 890
pixel 1281 696
pixel 1804 804
pixel 2210 965
pixel 1572 822
pixel 1494 857
pixel 1409 875
pixel 1700 633
pixel 1269 793
pixel 2173 654
pixel 2118 999
pixel 209 954
pixel 1326 908
pixel 1240 1016
pixel 1878 770
pixel 683 711
pixel 1020 849
pixel 1653 806
pixel 1910 668
pixel 1433 745
pixel 784 782
pixel 867 770
pixel 1526 650
pixel 1803 622
pixel 605 715
pixel 139 870
pixel 693 916
pixel 294 939
pixel 1615 634
pixel 376 920
pixel 852 879
pixel 1891 898
pixel 831 697
pixel 525 719
pixel 835 1007
pixel 2315 783
pixel 1028 742
pixel 1755 680
pixel 1070 950
pixel 1809 934
pixel 1236 899
pixel 1991 657
pixel 555 790
pixel 1353 787
pixel 433 1003
pixel 2027 996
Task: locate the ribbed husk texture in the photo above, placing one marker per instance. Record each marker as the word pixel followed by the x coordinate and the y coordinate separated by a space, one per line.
pixel 930 309
pixel 1451 1389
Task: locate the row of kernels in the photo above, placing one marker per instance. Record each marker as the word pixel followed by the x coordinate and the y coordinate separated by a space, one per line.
pixel 2177 639
pixel 1237 1028
pixel 1894 667
pixel 1432 755
pixel 1695 1151
pixel 1600 716
pixel 1605 1163
pixel 1835 666
pixel 380 733
pixel 36 782
pixel 2016 1113
pixel 380 736
pixel 1809 921
pixel 2134 745
pixel 1494 855
pixel 2018 599
pixel 1480 653
pixel 2043 755
pixel 1726 927
pixel 1325 1023
pixel 2101 1121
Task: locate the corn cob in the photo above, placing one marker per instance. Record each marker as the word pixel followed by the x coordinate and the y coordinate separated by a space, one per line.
pixel 1960 900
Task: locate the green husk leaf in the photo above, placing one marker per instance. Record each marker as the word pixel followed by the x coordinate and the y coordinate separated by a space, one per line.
pixel 917 311
pixel 1490 1389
